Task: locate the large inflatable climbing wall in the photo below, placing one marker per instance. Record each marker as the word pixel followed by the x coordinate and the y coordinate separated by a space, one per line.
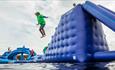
pixel 79 37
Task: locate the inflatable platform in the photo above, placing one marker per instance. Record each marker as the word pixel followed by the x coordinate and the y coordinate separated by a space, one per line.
pixel 79 37
pixel 20 55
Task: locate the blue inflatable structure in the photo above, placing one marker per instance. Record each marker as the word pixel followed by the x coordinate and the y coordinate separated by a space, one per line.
pixel 104 15
pixel 13 54
pixel 11 57
pixel 79 36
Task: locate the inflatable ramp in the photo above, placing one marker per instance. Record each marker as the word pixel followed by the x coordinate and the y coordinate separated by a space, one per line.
pixel 106 16
pixel 79 37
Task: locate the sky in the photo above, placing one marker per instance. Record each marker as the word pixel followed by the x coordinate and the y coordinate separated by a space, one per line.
pixel 18 22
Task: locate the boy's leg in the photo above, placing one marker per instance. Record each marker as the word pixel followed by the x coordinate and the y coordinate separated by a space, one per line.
pixel 41 31
pixel 42 28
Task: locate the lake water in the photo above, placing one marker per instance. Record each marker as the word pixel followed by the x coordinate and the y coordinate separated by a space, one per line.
pixel 58 66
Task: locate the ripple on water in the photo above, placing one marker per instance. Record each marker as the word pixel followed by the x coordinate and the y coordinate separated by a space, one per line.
pixel 58 66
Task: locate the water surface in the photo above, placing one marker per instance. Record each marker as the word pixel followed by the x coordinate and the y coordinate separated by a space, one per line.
pixel 58 66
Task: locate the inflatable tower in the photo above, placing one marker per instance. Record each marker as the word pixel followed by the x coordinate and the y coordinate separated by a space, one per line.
pixel 79 36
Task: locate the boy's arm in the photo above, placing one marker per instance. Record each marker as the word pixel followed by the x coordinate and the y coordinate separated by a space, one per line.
pixel 44 16
pixel 37 24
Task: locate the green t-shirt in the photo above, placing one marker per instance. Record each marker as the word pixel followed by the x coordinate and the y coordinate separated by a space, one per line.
pixel 40 19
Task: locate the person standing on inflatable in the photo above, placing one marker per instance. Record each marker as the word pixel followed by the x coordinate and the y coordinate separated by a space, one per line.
pixel 32 52
pixel 45 49
pixel 9 50
pixel 41 22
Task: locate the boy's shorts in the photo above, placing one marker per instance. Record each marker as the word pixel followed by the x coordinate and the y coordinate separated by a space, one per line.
pixel 42 26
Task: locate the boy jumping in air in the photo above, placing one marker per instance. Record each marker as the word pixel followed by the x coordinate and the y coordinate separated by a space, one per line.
pixel 41 22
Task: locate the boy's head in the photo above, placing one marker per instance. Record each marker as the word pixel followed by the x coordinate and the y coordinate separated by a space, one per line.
pixel 74 4
pixel 37 13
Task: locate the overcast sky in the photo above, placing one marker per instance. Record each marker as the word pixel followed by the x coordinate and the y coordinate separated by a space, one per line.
pixel 18 22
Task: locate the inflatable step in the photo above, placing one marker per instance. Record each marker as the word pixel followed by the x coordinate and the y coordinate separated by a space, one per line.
pixel 104 56
pixel 5 61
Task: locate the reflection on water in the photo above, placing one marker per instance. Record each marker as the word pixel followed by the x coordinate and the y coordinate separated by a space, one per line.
pixel 58 66
pixel 89 66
